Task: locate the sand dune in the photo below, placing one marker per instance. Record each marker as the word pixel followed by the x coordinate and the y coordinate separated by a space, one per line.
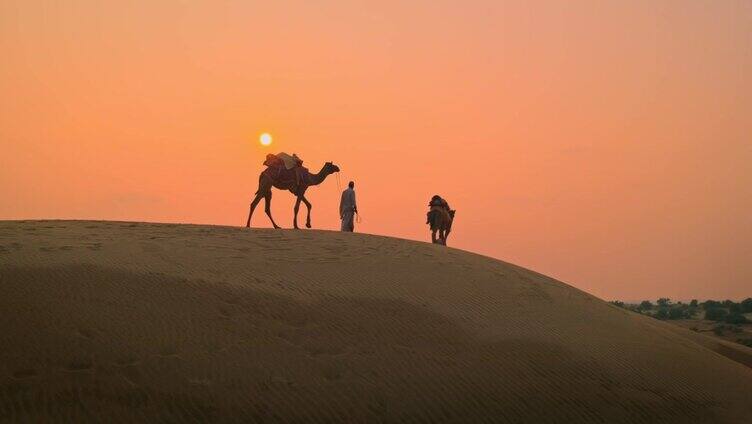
pixel 115 321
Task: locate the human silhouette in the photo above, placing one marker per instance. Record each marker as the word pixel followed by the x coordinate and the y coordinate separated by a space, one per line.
pixel 348 208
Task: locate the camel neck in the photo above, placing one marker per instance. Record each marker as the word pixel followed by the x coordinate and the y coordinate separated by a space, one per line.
pixel 318 178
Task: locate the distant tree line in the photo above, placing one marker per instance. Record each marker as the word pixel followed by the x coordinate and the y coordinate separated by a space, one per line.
pixel 726 311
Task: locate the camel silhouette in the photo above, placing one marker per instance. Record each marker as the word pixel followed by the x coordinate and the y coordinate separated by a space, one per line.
pixel 440 220
pixel 293 181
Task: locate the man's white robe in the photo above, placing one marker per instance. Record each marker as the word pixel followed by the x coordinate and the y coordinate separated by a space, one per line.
pixel 347 208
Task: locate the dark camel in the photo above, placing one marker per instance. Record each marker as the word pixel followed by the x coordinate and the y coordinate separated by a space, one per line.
pixel 270 177
pixel 440 221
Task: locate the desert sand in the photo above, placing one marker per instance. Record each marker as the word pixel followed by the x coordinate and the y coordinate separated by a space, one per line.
pixel 123 322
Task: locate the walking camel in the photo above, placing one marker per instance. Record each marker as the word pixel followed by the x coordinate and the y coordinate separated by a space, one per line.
pixel 440 221
pixel 296 181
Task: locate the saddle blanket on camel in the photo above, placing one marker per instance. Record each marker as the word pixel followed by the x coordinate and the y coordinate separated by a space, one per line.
pixel 286 168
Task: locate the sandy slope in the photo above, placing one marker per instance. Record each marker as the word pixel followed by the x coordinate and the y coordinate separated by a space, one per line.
pixel 106 321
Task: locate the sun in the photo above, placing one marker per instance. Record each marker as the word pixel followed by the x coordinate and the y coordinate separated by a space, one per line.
pixel 265 139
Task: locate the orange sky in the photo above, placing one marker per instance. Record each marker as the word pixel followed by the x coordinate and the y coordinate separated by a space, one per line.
pixel 605 143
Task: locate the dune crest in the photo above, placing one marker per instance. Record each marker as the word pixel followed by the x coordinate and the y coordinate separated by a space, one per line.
pixel 108 321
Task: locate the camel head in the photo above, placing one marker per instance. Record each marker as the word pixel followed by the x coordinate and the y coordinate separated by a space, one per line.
pixel 330 168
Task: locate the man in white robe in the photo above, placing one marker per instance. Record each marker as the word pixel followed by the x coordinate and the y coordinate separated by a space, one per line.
pixel 348 208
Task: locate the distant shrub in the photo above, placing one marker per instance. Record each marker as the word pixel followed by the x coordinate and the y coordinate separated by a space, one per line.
pixel 746 305
pixel 693 303
pixel 735 318
pixel 728 303
pixel 679 312
pixel 618 303
pixel 715 314
pixel 664 301
pixel 709 304
pixel 662 313
pixel 645 305
pixel 691 311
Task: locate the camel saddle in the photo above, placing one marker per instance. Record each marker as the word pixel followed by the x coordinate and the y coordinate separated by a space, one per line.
pixel 283 159
pixel 278 168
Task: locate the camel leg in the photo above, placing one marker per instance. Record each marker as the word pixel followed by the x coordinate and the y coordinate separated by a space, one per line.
pixel 268 207
pixel 254 203
pixel 442 237
pixel 308 217
pixel 433 236
pixel 295 213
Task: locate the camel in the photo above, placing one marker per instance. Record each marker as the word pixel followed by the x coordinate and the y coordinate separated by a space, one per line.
pixel 440 220
pixel 295 183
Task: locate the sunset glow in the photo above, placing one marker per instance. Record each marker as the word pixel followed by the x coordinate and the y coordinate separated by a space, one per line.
pixel 604 143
